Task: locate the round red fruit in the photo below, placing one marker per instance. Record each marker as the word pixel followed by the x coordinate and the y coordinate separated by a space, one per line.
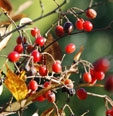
pixel 56 67
pixel 46 94
pixel 36 56
pixel 14 56
pixel 40 41
pixel 51 97
pixel 99 75
pixel 79 24
pixel 19 41
pixel 46 84
pixel 88 26
pixel 18 48
pixel 70 48
pixel 35 32
pixel 33 85
pixel 69 83
pixel 81 93
pixel 91 13
pixel 40 98
pixel 87 77
pixel 102 64
pixel 109 83
pixel 43 70
pixel 59 31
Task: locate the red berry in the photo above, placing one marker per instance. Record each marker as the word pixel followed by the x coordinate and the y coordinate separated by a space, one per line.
pixel 51 97
pixel 102 64
pixel 99 75
pixel 14 56
pixel 59 31
pixel 46 84
pixel 29 48
pixel 40 98
pixel 81 93
pixel 43 70
pixel 40 41
pixel 68 27
pixel 35 32
pixel 109 83
pixel 46 94
pixel 19 40
pixel 87 77
pixel 70 48
pixel 69 83
pixel 36 56
pixel 56 67
pixel 109 112
pixel 33 85
pixel 88 26
pixel 79 24
pixel 91 13
pixel 18 48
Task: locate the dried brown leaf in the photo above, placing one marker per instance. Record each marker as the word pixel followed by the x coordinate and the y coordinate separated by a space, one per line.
pixel 15 85
pixel 48 112
pixel 77 56
pixel 4 30
pixel 54 50
pixel 61 112
pixel 5 4
pixel 24 6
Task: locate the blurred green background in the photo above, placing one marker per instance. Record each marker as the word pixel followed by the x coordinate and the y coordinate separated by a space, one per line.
pixel 96 45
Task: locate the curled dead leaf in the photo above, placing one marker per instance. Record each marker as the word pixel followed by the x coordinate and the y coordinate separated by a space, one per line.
pixel 5 4
pixel 4 30
pixel 25 20
pixel 48 112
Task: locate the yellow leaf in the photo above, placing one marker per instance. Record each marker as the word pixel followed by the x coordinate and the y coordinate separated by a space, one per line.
pixel 22 75
pixel 48 112
pixel 15 85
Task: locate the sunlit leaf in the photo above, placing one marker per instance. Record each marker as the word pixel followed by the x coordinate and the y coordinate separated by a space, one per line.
pixel 77 56
pixel 22 75
pixel 4 30
pixel 5 4
pixel 48 112
pixel 54 50
pixel 15 85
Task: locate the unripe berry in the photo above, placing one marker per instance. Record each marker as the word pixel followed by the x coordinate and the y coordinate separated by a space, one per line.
pixel 51 97
pixel 70 48
pixel 81 93
pixel 40 41
pixel 56 67
pixel 18 48
pixel 59 31
pixel 88 26
pixel 35 32
pixel 19 40
pixel 43 70
pixel 79 24
pixel 14 56
pixel 68 27
pixel 91 13
pixel 36 56
pixel 87 77
pixel 33 85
